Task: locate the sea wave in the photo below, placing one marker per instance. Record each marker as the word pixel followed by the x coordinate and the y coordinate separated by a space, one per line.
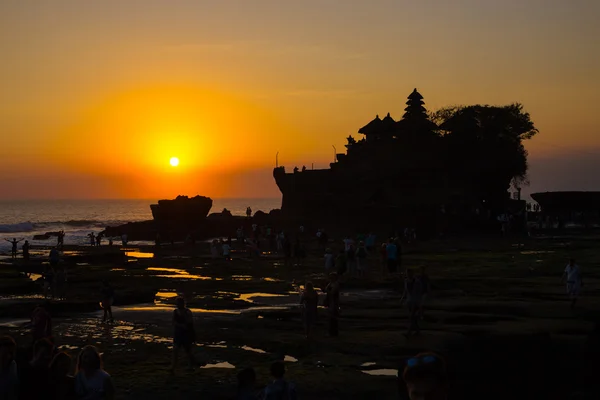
pixel 55 225
pixel 20 227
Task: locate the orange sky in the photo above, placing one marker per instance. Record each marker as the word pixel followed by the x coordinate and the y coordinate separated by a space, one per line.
pixel 96 97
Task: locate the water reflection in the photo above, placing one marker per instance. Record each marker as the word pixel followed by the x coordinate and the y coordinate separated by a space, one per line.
pixel 179 274
pixel 139 254
pixel 35 277
pixel 368 364
pixel 166 295
pixel 248 348
pixel 381 372
pixel 249 296
pixel 219 365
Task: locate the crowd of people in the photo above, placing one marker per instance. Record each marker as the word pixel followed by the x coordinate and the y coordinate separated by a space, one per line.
pixel 47 370
pixel 44 372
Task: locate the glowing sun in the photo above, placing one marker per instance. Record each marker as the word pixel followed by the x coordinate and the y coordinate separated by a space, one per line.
pixel 174 161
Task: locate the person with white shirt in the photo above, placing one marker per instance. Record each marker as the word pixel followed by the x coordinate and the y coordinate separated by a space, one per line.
pixel 574 282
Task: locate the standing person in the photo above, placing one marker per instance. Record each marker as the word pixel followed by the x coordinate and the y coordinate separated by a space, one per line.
pixel 60 239
pixel 124 239
pixel 92 239
pixel 341 263
pixel 391 251
pixel 287 251
pixel 26 248
pixel 280 389
pixel 574 281
pixel 49 282
pixel 91 381
pixel 329 261
pixel 54 258
pixel 41 324
pixel 351 260
pixel 361 259
pixel 370 242
pixel 214 249
pixel 425 377
pixel 426 286
pixel 99 240
pixel 309 301
pixel 279 239
pixel 413 292
pixel 184 334
pixel 299 252
pixel 248 212
pixel 9 377
pixel 332 302
pixel 246 385
pixel 62 385
pixel 226 251
pixel 14 242
pixel 108 297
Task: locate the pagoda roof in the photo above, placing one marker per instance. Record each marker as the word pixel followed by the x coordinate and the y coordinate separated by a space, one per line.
pixel 415 95
pixel 375 126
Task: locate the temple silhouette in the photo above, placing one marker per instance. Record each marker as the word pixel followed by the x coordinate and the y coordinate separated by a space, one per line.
pixel 451 173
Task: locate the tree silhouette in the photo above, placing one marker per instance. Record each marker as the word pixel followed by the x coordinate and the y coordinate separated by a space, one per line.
pixel 483 146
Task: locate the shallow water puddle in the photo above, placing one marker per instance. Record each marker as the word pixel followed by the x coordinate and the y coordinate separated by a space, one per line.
pixel 219 365
pixel 179 274
pixel 241 277
pixel 537 252
pixel 381 372
pixel 139 254
pixel 248 348
pixel 95 329
pixel 368 364
pixel 167 295
pixel 248 296
pixel 267 279
pixel 35 277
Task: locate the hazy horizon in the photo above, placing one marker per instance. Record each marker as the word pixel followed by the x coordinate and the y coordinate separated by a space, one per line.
pixel 98 96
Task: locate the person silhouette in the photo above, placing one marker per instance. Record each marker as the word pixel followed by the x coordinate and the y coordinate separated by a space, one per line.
pixel 26 251
pixel 248 212
pixel 14 242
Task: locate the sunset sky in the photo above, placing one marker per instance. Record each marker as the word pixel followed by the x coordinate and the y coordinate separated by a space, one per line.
pixel 97 96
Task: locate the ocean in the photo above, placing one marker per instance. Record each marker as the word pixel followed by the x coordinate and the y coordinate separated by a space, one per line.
pixel 26 218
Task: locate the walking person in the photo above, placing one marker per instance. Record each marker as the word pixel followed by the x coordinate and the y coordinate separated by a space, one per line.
pixel 108 297
pixel 309 302
pixel 332 303
pixel 413 292
pixel 184 333
pixel 574 281
pixel 426 286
